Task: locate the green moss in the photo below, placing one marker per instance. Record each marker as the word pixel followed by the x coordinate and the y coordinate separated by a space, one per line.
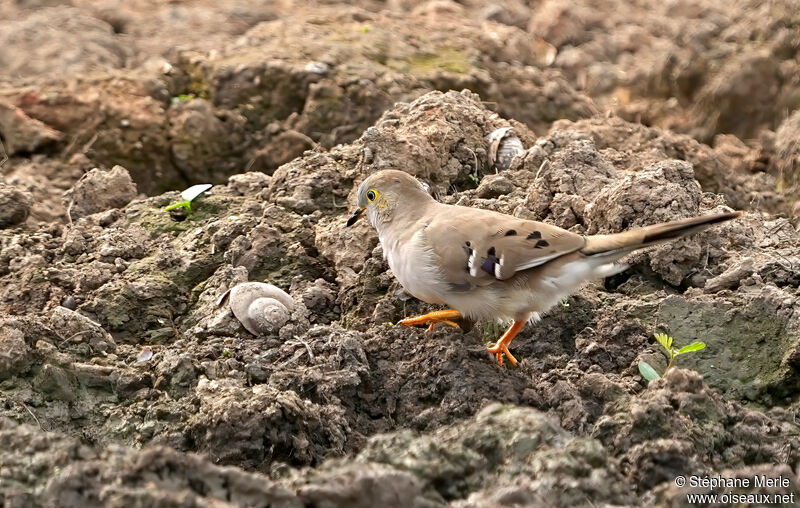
pixel 445 59
pixel 745 346
pixel 156 220
pixel 38 276
pixel 198 85
pixel 127 307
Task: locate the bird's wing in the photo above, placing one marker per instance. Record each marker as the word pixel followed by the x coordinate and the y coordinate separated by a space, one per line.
pixel 476 247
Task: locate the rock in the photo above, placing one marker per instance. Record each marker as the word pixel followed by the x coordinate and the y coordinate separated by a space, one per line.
pixel 251 183
pixel 363 487
pixel 76 328
pixel 731 277
pixel 176 374
pixel 320 299
pixel 573 175
pixel 503 454
pixel 100 190
pixel 493 186
pixel 743 95
pixel 56 383
pixel 22 134
pixel 643 429
pixel 64 471
pixel 33 45
pixel 561 23
pixel 15 205
pixel 204 140
pixel 16 356
pixel 233 422
pixel 662 191
pixel 283 148
pixel 787 147
pixel 510 12
pixel 748 343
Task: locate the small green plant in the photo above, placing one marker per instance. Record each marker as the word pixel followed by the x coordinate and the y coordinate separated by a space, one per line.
pixel 227 353
pixel 184 97
pixel 649 373
pixel 565 304
pixel 188 196
pixel 365 29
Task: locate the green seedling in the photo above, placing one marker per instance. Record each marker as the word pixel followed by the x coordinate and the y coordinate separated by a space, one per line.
pixel 184 97
pixel 649 373
pixel 565 304
pixel 365 29
pixel 188 196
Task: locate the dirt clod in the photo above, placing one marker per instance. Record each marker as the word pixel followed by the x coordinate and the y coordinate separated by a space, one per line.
pixel 123 383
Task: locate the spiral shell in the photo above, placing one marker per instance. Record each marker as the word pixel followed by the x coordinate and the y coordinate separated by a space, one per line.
pixel 261 308
pixel 504 145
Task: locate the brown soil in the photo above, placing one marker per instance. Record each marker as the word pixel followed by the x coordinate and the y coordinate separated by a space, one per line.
pixel 123 383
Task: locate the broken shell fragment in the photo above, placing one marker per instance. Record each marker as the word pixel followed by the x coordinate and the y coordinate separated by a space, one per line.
pixel 261 308
pixel 145 354
pixel 504 145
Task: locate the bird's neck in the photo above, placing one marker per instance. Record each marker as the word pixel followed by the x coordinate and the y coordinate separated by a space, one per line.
pixel 404 220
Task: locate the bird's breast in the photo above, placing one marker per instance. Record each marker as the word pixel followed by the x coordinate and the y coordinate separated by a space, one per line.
pixel 414 266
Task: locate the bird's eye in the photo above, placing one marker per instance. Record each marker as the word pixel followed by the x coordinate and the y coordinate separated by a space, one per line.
pixel 372 195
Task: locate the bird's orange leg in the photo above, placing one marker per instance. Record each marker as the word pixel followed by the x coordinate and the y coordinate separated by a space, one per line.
pixel 501 347
pixel 431 318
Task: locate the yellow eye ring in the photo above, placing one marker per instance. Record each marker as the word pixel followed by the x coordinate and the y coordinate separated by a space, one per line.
pixel 372 195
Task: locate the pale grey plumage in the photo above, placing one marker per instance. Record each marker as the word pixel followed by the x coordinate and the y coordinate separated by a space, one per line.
pixel 488 265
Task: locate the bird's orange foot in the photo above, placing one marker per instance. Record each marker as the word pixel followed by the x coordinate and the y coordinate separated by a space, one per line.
pixel 501 347
pixel 431 318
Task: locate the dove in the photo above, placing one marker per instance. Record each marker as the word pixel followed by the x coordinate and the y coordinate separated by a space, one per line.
pixel 486 265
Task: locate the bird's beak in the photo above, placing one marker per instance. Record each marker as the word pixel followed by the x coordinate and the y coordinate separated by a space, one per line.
pixel 356 215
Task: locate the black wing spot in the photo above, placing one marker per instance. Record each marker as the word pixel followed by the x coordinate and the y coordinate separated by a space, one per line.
pixel 541 243
pixel 490 252
pixel 511 232
pixel 464 286
pixel 534 236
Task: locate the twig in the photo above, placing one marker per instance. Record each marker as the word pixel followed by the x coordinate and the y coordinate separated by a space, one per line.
pixel 14 399
pixel 310 141
pixel 543 165
pixel 291 360
pixel 308 348
pixel 5 155
pixel 73 336
pixel 475 158
pixel 782 223
pixel 89 144
pixel 172 322
pixel 336 205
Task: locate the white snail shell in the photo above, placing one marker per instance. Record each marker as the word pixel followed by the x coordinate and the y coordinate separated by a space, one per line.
pixel 261 308
pixel 504 145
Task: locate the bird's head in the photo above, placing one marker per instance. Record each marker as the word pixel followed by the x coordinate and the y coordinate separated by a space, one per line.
pixel 384 194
